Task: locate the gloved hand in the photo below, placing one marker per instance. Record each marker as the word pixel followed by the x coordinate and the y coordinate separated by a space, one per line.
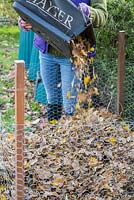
pixel 85 8
pixel 24 25
pixel 92 52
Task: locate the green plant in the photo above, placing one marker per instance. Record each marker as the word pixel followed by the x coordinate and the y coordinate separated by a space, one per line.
pixel 121 17
pixel 8 12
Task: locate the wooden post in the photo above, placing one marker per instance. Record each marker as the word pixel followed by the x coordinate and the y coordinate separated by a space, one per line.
pixel 121 66
pixel 19 132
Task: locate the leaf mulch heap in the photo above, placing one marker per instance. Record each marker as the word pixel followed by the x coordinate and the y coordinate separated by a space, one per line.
pixel 87 156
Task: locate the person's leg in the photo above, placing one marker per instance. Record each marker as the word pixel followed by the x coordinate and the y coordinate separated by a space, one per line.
pixel 69 85
pixel 51 77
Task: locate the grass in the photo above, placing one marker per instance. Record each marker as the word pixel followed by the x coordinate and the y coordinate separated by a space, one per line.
pixel 9 40
pixel 9 36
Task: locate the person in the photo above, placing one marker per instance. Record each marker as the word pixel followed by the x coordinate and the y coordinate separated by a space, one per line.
pixel 58 72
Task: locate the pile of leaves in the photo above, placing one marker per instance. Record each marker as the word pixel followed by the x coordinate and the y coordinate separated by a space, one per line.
pixel 88 156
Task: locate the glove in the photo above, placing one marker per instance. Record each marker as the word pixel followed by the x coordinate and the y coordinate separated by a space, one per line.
pixel 92 52
pixel 85 8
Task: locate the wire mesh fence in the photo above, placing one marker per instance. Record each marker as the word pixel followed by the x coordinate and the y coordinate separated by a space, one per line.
pixel 129 91
pixel 107 73
pixel 92 159
pixel 107 78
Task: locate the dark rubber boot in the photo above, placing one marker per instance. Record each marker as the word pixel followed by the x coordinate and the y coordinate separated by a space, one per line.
pixel 54 111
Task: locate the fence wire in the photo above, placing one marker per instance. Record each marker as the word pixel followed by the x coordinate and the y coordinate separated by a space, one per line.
pixel 89 157
pixel 107 80
pixel 129 91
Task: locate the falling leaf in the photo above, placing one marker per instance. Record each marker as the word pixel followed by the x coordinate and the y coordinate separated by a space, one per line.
pixel 91 59
pixel 77 106
pixel 82 52
pixel 96 91
pixel 86 80
pixel 82 97
pixel 79 38
pixel 93 91
pixel 68 95
pixel 94 77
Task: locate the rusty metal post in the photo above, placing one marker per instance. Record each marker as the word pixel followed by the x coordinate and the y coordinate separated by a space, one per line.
pixel 19 132
pixel 121 69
